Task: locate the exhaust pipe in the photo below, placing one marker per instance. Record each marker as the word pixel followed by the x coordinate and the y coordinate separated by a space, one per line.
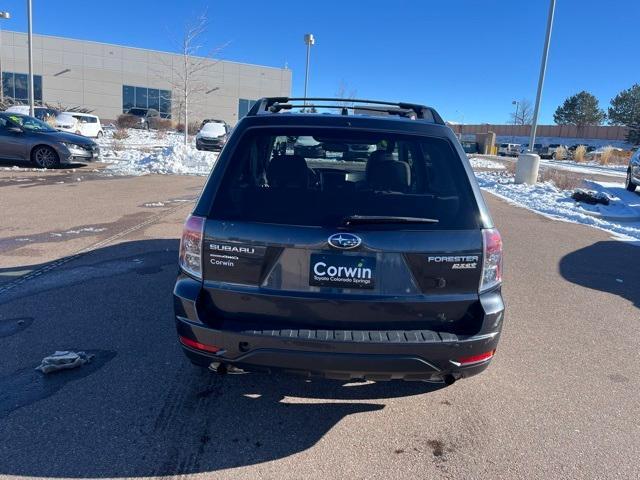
pixel 218 367
pixel 449 379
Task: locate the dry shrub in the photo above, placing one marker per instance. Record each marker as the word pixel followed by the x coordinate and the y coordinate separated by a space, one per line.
pixel 562 180
pixel 161 124
pixel 510 168
pixel 561 153
pixel 193 127
pixel 620 157
pixel 127 121
pixel 580 153
pixel 605 156
pixel 116 146
pixel 120 134
pixel 161 134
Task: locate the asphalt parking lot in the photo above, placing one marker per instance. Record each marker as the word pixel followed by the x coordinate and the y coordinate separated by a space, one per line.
pixel 87 262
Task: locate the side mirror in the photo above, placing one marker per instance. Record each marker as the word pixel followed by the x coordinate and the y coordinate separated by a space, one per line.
pixel 15 129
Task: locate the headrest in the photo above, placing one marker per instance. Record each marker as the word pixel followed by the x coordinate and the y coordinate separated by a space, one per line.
pixel 389 175
pixel 288 171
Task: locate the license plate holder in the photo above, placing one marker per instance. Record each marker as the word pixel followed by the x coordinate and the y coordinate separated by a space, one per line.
pixel 342 271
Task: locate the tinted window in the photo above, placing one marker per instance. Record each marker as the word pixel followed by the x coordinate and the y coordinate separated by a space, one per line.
pixel 300 177
pixel 128 97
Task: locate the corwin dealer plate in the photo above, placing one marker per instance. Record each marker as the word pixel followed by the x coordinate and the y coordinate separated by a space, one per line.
pixel 342 271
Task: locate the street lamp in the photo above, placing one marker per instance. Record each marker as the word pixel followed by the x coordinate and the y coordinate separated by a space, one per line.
pixel 6 16
pixel 515 118
pixel 543 71
pixel 308 40
pixel 30 48
pixel 529 162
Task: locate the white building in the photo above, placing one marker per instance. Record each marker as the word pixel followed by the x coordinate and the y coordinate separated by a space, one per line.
pixel 109 79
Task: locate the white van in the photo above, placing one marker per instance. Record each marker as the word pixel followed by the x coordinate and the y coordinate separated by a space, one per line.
pixel 509 149
pixel 79 123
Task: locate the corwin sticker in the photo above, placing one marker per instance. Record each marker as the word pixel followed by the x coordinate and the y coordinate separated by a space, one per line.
pixel 342 271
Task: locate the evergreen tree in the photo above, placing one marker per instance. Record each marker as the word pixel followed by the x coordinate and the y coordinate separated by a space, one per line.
pixel 581 109
pixel 625 110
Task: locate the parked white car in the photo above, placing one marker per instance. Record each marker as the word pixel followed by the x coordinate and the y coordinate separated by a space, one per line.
pixel 79 123
pixel 509 149
pixel 41 113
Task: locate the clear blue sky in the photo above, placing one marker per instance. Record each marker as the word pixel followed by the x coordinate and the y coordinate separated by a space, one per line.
pixel 468 58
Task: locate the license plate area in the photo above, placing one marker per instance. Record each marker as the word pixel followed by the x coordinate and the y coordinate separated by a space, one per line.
pixel 342 271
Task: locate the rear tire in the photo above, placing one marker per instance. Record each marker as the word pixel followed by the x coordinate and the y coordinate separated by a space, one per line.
pixel 629 185
pixel 45 157
pixel 100 134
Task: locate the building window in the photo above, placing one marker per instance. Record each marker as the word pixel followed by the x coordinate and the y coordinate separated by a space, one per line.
pixel 244 106
pixel 15 86
pixel 143 97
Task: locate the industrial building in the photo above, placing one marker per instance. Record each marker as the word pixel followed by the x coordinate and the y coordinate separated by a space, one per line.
pixel 109 79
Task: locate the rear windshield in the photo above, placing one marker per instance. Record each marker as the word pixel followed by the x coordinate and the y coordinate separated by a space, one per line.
pixel 322 177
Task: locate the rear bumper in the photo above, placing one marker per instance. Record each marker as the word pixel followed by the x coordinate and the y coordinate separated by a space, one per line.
pixel 339 354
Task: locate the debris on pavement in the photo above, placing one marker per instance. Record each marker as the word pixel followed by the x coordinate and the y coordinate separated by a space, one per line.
pixel 63 360
pixel 590 196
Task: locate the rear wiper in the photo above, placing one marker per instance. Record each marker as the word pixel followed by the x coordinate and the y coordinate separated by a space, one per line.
pixel 368 219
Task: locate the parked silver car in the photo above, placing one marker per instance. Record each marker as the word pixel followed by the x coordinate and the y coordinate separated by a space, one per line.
pixel 633 172
pixel 29 139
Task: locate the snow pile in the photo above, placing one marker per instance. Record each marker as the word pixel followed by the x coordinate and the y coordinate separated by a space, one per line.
pixel 546 199
pixel 172 160
pixel 486 163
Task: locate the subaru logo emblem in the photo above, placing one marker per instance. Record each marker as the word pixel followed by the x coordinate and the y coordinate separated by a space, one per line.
pixel 344 241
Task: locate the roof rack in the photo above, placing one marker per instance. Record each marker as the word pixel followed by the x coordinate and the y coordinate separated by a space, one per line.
pixel 403 109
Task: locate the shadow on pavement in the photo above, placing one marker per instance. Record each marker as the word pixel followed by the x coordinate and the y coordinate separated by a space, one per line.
pixel 142 409
pixel 608 266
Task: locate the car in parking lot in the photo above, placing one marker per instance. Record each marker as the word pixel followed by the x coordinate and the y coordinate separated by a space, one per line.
pixel 26 138
pixel 387 268
pixel 537 147
pixel 79 123
pixel 632 180
pixel 212 135
pixel 41 113
pixel 147 117
pixel 508 149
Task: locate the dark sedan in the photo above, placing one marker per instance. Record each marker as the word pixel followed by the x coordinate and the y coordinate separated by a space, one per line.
pixel 29 139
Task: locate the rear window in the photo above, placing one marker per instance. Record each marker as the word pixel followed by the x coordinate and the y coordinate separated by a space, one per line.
pixel 322 177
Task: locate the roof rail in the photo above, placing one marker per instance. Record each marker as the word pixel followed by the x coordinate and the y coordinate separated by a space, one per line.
pixel 276 104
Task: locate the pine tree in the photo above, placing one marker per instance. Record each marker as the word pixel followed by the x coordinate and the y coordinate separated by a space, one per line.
pixel 581 109
pixel 625 110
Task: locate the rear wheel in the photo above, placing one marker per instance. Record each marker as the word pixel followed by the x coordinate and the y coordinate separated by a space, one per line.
pixel 629 185
pixel 100 134
pixel 45 157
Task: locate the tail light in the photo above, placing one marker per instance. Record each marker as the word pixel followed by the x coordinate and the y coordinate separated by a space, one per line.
pixel 472 359
pixel 492 259
pixel 197 345
pixel 190 258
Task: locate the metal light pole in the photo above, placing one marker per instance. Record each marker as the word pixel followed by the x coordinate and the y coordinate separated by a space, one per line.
pixel 308 40
pixel 30 48
pixel 6 16
pixel 515 117
pixel 529 162
pixel 543 71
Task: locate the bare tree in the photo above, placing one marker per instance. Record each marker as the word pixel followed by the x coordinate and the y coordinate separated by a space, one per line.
pixel 189 76
pixel 345 97
pixel 523 115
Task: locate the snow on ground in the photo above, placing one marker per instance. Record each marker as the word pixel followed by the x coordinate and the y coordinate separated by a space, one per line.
pixel 145 152
pixel 486 163
pixel 544 198
pixel 586 167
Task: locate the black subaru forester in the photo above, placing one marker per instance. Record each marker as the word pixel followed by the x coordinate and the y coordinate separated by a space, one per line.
pixel 372 256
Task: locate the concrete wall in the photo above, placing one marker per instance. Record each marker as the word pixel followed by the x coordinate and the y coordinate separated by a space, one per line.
pixel 566 131
pixel 98 71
